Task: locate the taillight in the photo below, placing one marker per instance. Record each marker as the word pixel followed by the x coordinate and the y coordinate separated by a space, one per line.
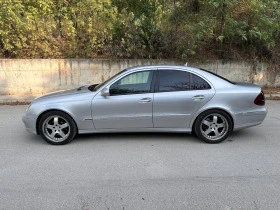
pixel 260 100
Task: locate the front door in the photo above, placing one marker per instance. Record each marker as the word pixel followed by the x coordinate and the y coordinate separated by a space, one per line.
pixel 129 104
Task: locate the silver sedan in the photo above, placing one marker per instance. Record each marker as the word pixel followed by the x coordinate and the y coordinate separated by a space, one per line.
pixel 149 99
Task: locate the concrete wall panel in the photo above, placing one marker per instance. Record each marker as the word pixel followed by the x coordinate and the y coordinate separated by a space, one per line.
pixel 39 76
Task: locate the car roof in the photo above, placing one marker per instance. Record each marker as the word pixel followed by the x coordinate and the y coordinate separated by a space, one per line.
pixel 164 67
pixel 160 67
pixel 171 67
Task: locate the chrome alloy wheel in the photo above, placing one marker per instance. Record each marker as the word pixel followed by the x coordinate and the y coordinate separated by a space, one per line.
pixel 214 126
pixel 56 128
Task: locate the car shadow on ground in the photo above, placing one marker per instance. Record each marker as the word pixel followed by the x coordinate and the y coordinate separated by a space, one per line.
pixel 236 136
pixel 34 139
pixel 141 136
pixel 241 135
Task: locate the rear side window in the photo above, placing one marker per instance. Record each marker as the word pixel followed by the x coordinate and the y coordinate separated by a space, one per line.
pixel 170 80
pixel 175 80
pixel 197 83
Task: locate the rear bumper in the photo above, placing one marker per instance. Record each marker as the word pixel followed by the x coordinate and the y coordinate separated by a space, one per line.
pixel 249 118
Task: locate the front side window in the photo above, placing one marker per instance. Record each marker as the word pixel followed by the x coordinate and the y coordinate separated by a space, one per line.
pixel 135 83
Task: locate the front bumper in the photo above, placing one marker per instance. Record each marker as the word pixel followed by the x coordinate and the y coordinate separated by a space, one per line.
pixel 30 123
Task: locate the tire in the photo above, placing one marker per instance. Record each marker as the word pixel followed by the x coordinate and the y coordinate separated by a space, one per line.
pixel 57 128
pixel 213 126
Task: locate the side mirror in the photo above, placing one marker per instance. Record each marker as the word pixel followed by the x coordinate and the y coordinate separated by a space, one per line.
pixel 105 92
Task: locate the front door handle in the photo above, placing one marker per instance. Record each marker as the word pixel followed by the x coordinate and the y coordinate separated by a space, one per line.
pixel 198 97
pixel 145 100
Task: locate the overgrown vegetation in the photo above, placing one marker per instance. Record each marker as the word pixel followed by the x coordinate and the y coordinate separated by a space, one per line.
pixel 181 29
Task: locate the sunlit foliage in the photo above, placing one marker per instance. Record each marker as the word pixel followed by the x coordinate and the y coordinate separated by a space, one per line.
pixel 182 29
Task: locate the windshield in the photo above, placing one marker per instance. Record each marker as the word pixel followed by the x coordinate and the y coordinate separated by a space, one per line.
pixel 100 85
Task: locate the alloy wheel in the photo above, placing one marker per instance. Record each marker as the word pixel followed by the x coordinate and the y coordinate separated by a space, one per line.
pixel 214 126
pixel 56 128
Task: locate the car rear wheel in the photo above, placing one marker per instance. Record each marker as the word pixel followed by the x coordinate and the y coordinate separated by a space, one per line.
pixel 57 128
pixel 213 126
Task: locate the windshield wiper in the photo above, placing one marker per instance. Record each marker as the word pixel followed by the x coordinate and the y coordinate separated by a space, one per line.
pixel 80 88
pixel 91 87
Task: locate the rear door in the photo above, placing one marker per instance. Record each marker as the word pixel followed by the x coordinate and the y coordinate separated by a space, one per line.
pixel 178 96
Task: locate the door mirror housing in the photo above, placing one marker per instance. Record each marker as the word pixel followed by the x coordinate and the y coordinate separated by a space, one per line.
pixel 105 92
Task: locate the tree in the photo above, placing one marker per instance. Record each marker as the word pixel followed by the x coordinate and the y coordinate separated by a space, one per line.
pixel 212 29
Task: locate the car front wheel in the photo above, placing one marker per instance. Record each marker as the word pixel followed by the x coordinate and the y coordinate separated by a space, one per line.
pixel 213 126
pixel 57 128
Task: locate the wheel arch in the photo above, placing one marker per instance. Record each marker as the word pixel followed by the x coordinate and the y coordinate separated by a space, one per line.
pixel 49 110
pixel 206 110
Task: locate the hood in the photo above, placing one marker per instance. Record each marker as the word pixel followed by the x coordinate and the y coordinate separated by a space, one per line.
pixel 83 89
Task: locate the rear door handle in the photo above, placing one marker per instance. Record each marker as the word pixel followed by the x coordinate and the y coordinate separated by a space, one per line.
pixel 198 97
pixel 145 100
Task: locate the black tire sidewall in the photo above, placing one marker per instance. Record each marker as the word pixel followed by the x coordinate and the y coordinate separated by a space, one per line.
pixel 73 127
pixel 203 115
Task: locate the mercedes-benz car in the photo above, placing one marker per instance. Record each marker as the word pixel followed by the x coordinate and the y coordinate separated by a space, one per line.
pixel 149 99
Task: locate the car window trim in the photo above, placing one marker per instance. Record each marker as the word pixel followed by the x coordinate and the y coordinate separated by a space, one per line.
pixel 156 88
pixel 154 80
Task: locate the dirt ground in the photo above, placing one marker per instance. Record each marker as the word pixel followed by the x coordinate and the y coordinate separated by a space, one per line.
pixel 271 91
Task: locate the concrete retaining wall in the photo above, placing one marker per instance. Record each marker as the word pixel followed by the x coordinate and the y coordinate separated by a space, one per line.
pixel 35 77
pixel 259 73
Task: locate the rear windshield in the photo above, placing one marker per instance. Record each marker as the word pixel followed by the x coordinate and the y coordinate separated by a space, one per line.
pixel 219 76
